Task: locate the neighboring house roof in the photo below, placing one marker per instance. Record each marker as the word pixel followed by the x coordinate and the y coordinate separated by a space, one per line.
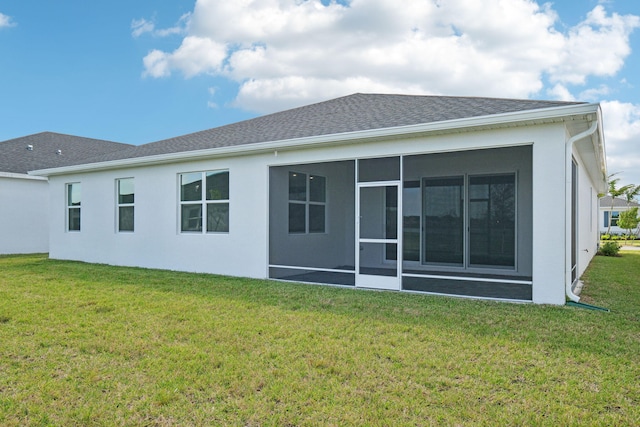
pixel 605 203
pixel 40 151
pixel 358 112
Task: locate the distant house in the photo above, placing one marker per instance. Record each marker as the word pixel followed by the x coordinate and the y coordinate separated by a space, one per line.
pixel 24 211
pixel 475 197
pixel 605 212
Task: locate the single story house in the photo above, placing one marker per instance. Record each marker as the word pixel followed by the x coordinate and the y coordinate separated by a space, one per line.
pixel 476 197
pixel 24 213
pixel 608 210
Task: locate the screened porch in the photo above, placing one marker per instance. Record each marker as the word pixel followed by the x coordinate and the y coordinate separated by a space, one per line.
pixel 449 223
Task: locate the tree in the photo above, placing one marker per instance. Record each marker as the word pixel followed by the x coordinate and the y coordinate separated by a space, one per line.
pixel 631 193
pixel 629 219
pixel 614 192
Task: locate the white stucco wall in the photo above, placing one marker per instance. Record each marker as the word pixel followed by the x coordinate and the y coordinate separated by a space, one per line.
pixel 157 243
pixel 24 214
pixel 588 232
pixel 548 216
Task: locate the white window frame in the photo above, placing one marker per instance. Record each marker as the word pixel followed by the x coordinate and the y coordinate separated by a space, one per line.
pixel 124 205
pixel 70 206
pixel 202 203
pixel 307 203
pixel 615 217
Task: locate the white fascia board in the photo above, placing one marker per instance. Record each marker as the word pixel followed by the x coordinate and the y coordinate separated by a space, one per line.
pixel 12 175
pixel 544 115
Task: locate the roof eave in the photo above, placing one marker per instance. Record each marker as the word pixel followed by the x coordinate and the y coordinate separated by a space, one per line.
pixel 540 116
pixel 12 175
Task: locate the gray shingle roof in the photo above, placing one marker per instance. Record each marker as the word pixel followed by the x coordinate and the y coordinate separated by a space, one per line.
pixel 357 112
pixel 17 157
pixel 605 202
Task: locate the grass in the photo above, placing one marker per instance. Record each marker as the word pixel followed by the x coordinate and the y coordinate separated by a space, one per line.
pixel 84 344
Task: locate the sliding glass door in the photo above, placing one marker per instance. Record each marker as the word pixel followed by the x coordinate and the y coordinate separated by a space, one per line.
pixel 469 221
pixel 443 200
pixel 492 215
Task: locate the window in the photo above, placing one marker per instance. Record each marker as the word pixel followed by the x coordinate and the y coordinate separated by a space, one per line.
pixel 204 202
pixel 73 206
pixel 615 215
pixel 307 203
pixel 125 211
pixel 469 221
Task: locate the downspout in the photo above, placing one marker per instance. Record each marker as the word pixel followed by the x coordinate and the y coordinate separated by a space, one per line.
pixel 568 211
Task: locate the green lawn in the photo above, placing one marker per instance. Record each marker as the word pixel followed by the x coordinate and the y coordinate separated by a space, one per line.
pixel 84 344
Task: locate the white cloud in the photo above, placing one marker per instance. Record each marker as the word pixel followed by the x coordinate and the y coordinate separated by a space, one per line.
pixel 561 93
pixel 622 132
pixel 196 55
pixel 597 46
pixel 251 21
pixel 6 21
pixel 143 26
pixel 283 92
pixel 156 64
pixel 594 94
pixel 212 92
pixel 284 53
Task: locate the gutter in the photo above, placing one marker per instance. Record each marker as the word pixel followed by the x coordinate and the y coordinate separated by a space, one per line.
pixel 544 115
pixel 567 200
pixel 601 155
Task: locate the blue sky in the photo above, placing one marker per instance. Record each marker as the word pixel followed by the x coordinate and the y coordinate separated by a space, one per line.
pixel 141 71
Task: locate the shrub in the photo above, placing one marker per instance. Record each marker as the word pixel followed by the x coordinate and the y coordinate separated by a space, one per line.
pixel 605 237
pixel 629 219
pixel 609 249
